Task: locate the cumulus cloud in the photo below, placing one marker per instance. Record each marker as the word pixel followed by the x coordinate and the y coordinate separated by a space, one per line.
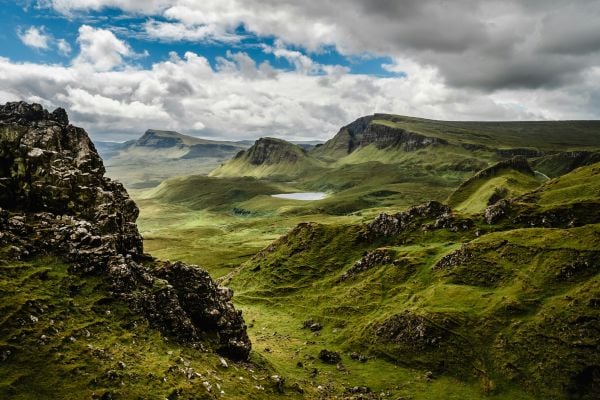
pixel 466 59
pixel 300 61
pixel 491 45
pixel 100 48
pixel 63 47
pixel 185 93
pixel 68 7
pixel 177 31
pixel 36 38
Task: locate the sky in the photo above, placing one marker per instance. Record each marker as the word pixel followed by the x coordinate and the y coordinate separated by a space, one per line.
pixel 298 69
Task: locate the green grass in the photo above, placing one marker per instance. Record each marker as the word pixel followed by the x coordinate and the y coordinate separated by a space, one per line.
pixel 298 276
pixel 579 186
pixel 474 196
pixel 67 336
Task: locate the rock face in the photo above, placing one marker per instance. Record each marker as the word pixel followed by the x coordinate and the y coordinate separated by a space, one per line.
pixel 47 165
pixel 54 199
pixel 384 136
pixel 363 132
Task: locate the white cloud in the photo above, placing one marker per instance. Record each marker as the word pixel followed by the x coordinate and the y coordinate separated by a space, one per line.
pixel 301 62
pixel 68 7
pixel 36 38
pixel 176 31
pixel 489 45
pixel 186 94
pixel 100 48
pixel 63 47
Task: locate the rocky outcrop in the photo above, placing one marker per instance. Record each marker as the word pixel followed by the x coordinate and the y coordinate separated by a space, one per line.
pixel 54 199
pixel 518 213
pixel 370 259
pixel 390 225
pixel 418 332
pixel 329 357
pixel 182 301
pixel 50 166
pixel 417 217
pixel 346 140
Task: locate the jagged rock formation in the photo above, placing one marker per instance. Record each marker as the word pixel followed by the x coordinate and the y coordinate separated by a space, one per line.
pixel 268 157
pixel 54 199
pixel 415 218
pixel 50 166
pixel 347 139
pixel 384 136
pixel 516 213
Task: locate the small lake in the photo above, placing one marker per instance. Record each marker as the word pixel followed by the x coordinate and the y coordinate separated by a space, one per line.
pixel 301 196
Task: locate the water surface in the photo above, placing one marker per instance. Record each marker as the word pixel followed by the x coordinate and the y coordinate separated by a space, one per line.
pixel 309 196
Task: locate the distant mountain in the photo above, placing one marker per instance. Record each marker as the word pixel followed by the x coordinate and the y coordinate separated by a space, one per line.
pixel 447 147
pixel 268 157
pixel 158 155
pixel 170 144
pixel 507 139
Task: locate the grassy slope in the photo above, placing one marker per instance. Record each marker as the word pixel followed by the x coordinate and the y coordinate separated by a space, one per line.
pixel 270 157
pixel 473 197
pixel 501 312
pixel 579 186
pixel 62 337
pixel 283 170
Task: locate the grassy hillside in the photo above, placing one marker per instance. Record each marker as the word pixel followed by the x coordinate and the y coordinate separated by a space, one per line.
pixel 449 306
pixel 269 157
pixel 511 313
pixel 504 179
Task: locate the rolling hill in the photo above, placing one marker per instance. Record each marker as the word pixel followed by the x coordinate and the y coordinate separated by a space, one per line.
pixel 505 179
pixel 269 157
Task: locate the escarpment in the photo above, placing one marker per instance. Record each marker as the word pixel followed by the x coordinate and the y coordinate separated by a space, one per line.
pixel 55 200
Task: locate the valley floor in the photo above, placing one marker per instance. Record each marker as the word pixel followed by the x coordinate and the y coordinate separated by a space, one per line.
pixel 222 241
